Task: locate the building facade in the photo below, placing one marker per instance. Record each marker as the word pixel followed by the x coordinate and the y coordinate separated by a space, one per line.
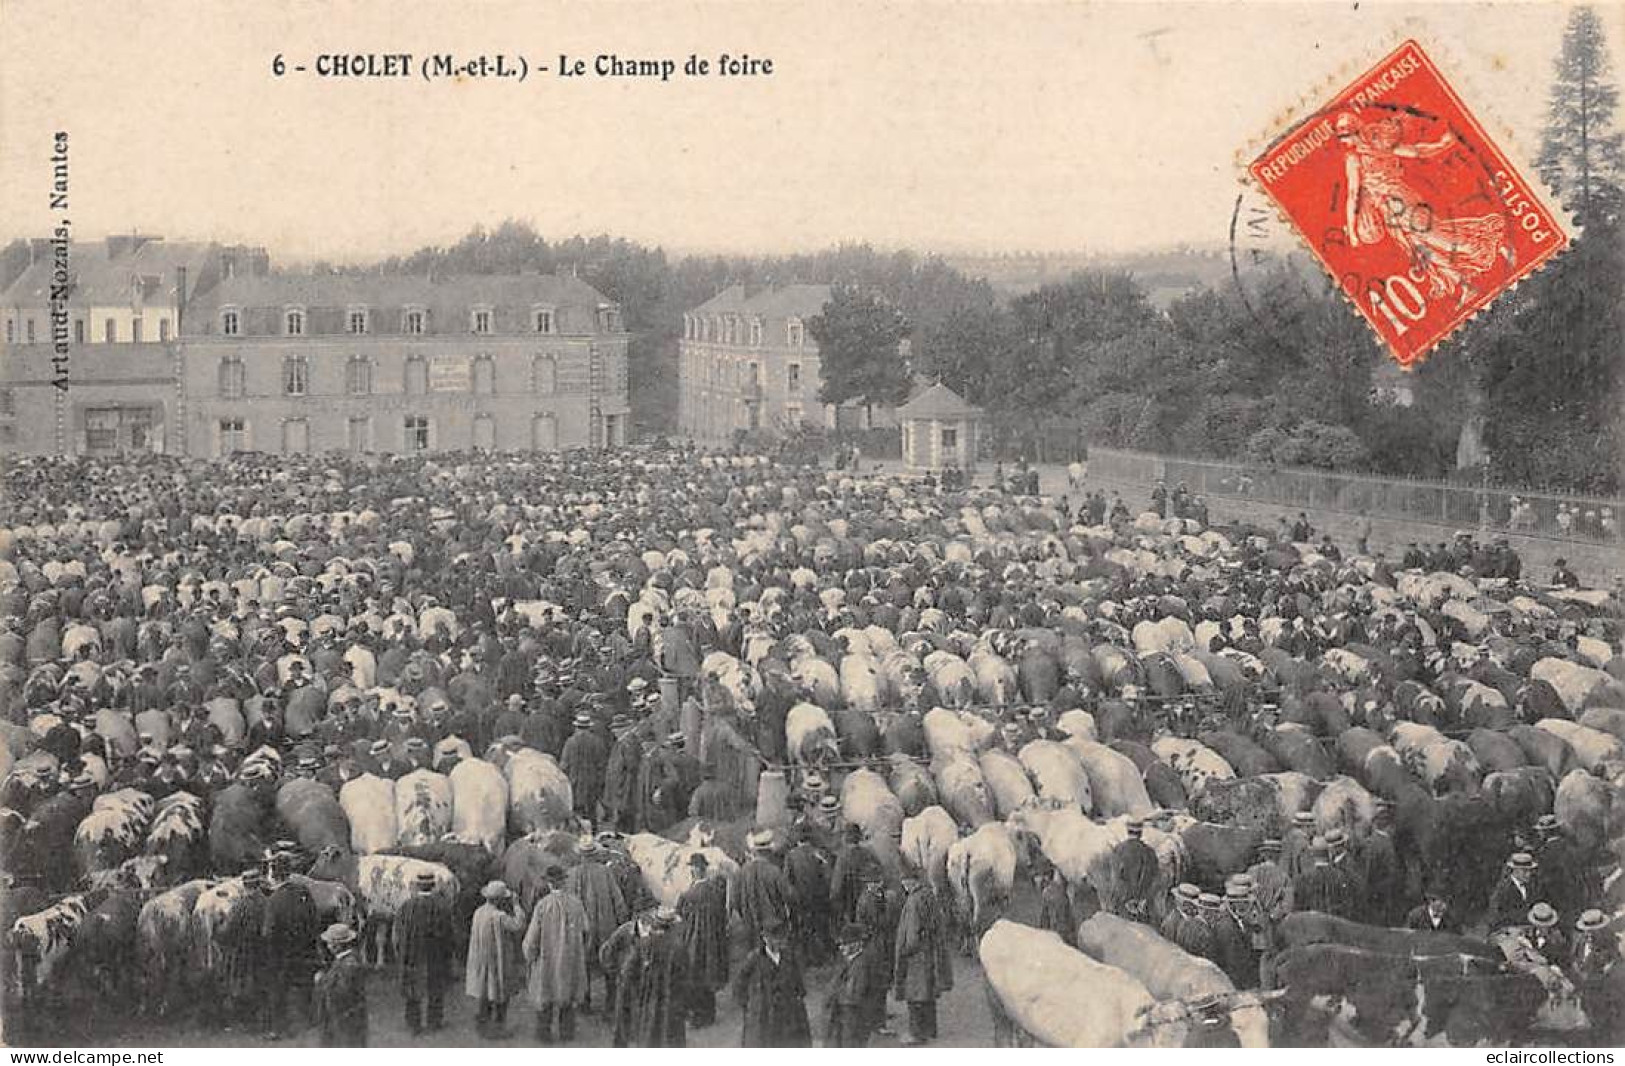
pixel 402 365
pixel 251 361
pixel 939 430
pixel 747 363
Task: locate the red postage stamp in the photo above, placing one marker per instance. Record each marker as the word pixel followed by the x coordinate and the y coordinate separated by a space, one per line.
pixel 1407 202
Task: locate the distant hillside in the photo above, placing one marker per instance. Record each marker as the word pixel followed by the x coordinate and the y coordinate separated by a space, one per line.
pixel 1165 275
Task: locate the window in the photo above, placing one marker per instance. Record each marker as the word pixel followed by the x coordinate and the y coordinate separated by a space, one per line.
pixel 480 320
pixel 756 333
pixel 295 436
pixel 356 320
pixel 544 432
pixel 793 413
pixel 754 375
pixel 231 378
pixel 8 403
pixel 688 327
pixel 609 319
pixel 358 376
pixel 78 331
pixel 233 436
pixel 417 433
pixel 793 373
pixel 293 323
pixel 417 375
pixel 544 320
pixel 950 437
pixel 135 330
pixel 110 331
pixel 485 432
pixel 11 331
pixel 359 435
pixel 413 321
pixel 295 376
pixel 101 429
pixel 795 335
pixel 163 331
pixel 545 375
pixel 485 375
pixel 230 323
pixel 30 330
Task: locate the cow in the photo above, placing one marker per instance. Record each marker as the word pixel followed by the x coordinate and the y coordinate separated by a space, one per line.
pixel 164 947
pixel 423 807
pixel 368 802
pixel 380 884
pixel 479 804
pixel 981 870
pixel 539 795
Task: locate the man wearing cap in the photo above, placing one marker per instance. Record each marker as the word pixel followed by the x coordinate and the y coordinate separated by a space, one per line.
pixel 923 970
pixel 495 971
pixel 855 862
pixel 771 991
pixel 1134 872
pixel 424 944
pixel 292 927
pixel 1272 891
pixel 1181 911
pixel 1563 879
pixel 556 947
pixel 584 760
pixel 1514 894
pixel 340 996
pixel 703 908
pixel 1337 845
pixel 1434 914
pixel 1233 929
pixel 1210 1024
pixel 651 969
pixel 851 1013
pixel 762 893
pixel 1594 962
pixel 1380 873
pixel 807 868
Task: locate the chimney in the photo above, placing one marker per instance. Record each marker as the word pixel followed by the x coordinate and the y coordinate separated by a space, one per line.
pixel 180 298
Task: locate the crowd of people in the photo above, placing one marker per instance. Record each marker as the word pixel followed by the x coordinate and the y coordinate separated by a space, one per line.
pixel 197 632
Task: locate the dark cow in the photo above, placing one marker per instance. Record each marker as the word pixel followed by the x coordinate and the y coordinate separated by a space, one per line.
pixel 1162 783
pixel 1297 750
pixel 1243 755
pixel 1495 750
pixel 1214 852
pixel 1316 927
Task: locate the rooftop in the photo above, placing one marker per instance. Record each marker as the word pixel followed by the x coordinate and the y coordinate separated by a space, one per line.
pixel 937 402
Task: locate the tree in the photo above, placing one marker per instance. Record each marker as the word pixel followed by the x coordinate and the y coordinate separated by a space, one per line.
pixel 860 335
pixel 1581 156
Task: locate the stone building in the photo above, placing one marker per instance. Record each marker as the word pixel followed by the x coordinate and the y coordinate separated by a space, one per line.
pixel 939 430
pixel 210 354
pixel 747 362
pixel 405 364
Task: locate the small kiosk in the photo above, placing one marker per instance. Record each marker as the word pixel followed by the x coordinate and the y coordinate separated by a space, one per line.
pixel 939 431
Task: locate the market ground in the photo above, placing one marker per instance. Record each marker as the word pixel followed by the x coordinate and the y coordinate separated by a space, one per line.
pixel 964 1020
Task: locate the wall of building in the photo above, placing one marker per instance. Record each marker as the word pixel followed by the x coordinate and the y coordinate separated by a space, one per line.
pixel 717 387
pixel 923 447
pixel 40 416
pixel 526 402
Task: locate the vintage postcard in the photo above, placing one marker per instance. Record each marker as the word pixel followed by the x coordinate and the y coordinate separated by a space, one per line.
pixel 857 524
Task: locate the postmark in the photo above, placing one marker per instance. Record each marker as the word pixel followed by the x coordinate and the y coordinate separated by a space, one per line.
pixel 1400 193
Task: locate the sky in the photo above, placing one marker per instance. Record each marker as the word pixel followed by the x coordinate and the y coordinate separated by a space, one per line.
pixel 952 127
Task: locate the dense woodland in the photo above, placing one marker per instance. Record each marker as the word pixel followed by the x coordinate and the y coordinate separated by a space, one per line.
pixel 1205 376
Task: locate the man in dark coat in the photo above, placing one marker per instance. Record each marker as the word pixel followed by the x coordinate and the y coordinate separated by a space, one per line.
pixel 1321 887
pixel 620 796
pixel 424 944
pixel 703 909
pixel 762 894
pixel 1514 894
pixel 340 996
pixel 648 958
pixel 1434 914
pixel 923 969
pixel 1055 905
pixel 807 868
pixel 853 1003
pixel 772 994
pixel 1134 873
pixel 290 934
pixel 239 939
pixel 584 761
pixel 1377 861
pixel 854 864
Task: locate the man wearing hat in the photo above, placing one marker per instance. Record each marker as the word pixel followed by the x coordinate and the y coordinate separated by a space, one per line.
pixel 292 926
pixel 1134 874
pixel 807 868
pixel 703 908
pixel 1210 1023
pixel 923 970
pixel 1514 894
pixel 1563 879
pixel 340 994
pixel 495 971
pixel 1545 936
pixel 622 774
pixel 853 1005
pixel 761 891
pixel 584 760
pixel 771 991
pixel 555 947
pixel 1233 932
pixel 1595 951
pixel 1337 844
pixel 1181 910
pixel 1272 891
pixel 1376 862
pixel 650 964
pixel 1295 857
pixel 1321 887
pixel 1434 914
pixel 239 941
pixel 424 944
pixel 855 862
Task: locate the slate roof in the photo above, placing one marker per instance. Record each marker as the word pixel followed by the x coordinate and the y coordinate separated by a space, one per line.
pixel 102 279
pixel 937 402
pixel 781 301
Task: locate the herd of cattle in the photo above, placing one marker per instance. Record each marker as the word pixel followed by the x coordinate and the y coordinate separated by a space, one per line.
pixel 978 680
